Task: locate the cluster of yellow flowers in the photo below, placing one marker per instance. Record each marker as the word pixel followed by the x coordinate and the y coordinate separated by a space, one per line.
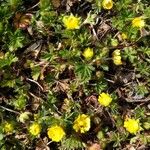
pixel 137 22
pixel 56 133
pixel 82 122
pixel 116 57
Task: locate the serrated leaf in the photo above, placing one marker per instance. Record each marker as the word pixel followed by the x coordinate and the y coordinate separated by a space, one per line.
pixel 35 72
pixel 7 60
pixel 84 72
pixel 71 144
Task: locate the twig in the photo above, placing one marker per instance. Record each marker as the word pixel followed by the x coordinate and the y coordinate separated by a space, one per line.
pixel 111 81
pixel 35 83
pixel 133 100
pixel 43 69
pixel 49 143
pixel 94 32
pixel 10 110
pixel 34 96
pixel 34 6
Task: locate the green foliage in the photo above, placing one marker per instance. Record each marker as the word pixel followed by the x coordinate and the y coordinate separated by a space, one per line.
pixel 16 40
pixel 71 144
pixel 141 90
pixel 43 72
pixel 118 138
pixel 143 68
pixel 84 71
pixel 35 72
pixel 130 54
pixel 100 86
pixel 7 59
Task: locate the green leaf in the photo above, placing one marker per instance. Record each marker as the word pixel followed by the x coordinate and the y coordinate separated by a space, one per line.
pixel 71 144
pixel 35 72
pixel 8 60
pixel 143 68
pixel 20 103
pixel 100 86
pixel 84 71
pixel 16 40
pixel 90 19
pixel 130 54
pixel 1 136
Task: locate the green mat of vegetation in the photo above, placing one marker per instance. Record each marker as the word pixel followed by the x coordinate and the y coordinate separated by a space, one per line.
pixel 74 75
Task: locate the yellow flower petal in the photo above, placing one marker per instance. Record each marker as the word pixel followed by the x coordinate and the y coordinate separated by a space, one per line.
pixel 124 36
pixel 104 99
pixel 82 123
pixel 8 127
pixel 117 60
pixel 88 53
pixel 107 4
pixel 138 22
pixel 116 53
pixel 71 22
pixel 35 129
pixel 132 125
pixel 56 133
pixel 116 57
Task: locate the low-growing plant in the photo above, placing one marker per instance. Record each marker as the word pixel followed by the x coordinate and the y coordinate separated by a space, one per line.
pixel 74 74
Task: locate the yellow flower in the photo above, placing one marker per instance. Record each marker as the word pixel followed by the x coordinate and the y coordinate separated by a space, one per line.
pixel 107 4
pixel 35 129
pixel 124 36
pixel 116 57
pixel 104 99
pixel 8 127
pixel 117 60
pixel 88 53
pixel 116 53
pixel 56 133
pixel 71 22
pixel 82 123
pixel 132 125
pixel 138 22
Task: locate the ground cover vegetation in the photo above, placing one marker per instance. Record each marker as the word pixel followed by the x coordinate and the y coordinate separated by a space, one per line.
pixel 74 74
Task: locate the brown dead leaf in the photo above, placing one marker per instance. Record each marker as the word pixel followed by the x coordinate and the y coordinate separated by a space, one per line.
pixel 42 144
pixel 144 32
pixel 62 86
pixel 102 30
pixel 94 146
pixel 56 3
pixel 92 100
pixel 23 138
pixel 22 21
